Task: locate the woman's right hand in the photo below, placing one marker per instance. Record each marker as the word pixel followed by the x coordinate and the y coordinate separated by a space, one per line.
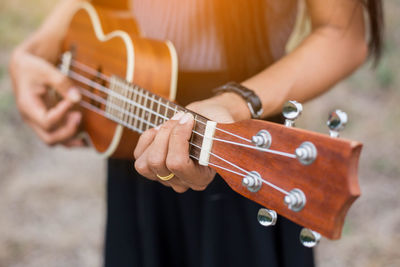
pixel 32 78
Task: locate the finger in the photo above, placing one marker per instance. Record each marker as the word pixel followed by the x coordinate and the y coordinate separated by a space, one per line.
pixel 63 133
pixel 33 109
pixel 159 148
pixel 75 142
pixel 58 81
pixel 49 119
pixel 56 114
pixel 143 169
pixel 178 160
pixel 144 142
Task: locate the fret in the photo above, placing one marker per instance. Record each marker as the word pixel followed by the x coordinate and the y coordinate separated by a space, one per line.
pixel 150 114
pixel 161 112
pixel 132 119
pixel 137 108
pixel 170 111
pixel 166 111
pixel 118 101
pixel 144 112
pixel 132 106
pixel 197 139
pixel 194 128
pixel 156 119
pixel 125 104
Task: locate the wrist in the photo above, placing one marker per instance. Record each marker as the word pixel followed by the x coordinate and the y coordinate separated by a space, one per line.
pixel 234 103
pixel 251 99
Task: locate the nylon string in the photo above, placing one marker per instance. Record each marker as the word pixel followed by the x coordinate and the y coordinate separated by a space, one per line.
pixel 107 91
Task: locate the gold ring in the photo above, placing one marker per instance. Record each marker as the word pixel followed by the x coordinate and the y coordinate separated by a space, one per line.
pixel 166 178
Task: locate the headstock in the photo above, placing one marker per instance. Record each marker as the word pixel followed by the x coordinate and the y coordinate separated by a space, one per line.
pixel 310 178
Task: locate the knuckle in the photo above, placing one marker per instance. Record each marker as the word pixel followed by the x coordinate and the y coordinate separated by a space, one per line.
pixel 179 189
pixel 136 154
pixel 45 124
pixel 141 167
pixel 175 164
pixel 176 133
pixel 166 127
pixel 198 187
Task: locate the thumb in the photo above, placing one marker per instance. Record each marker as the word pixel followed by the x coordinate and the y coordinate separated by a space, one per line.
pixel 59 82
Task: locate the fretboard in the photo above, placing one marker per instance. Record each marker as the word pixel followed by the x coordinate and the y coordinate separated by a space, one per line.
pixel 139 110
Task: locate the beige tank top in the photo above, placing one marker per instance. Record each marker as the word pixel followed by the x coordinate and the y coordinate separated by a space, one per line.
pixel 218 40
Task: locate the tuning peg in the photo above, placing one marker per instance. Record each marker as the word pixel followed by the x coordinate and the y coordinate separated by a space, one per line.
pixel 291 111
pixel 309 238
pixel 336 122
pixel 252 181
pixel 262 139
pixel 295 200
pixel 267 217
pixel 306 153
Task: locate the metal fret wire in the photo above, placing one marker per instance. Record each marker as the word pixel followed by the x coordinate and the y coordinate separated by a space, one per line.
pixel 92 71
pixel 108 115
pixel 105 90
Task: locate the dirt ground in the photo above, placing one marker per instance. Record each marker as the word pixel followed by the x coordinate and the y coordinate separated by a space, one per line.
pixel 52 199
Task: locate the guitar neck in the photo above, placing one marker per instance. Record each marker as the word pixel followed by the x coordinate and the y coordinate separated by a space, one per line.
pixel 134 107
pixel 139 110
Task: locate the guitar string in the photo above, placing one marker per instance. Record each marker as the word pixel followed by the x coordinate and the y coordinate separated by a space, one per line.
pixel 107 91
pixel 96 73
pixel 101 100
pixel 247 172
pixel 108 115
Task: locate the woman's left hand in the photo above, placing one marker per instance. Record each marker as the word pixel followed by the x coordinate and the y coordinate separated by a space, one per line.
pixel 165 149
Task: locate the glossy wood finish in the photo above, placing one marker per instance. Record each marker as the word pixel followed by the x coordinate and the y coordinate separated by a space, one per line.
pixel 329 183
pixel 114 4
pixel 152 68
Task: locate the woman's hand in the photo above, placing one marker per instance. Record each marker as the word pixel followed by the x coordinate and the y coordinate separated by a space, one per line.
pixel 32 77
pixel 165 149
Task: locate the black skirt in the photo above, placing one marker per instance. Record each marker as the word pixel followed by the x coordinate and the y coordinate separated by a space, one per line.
pixel 149 225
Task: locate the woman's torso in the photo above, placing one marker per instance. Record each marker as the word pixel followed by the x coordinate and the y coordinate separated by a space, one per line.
pixel 217 40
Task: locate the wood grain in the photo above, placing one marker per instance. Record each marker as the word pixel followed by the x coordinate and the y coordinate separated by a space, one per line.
pixel 152 68
pixel 330 182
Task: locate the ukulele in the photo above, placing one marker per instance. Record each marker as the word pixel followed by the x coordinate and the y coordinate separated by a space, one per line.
pixel 128 85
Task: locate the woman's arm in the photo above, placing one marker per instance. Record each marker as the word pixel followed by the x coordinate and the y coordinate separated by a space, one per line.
pixel 334 49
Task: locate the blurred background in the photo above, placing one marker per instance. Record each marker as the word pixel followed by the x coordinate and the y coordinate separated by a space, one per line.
pixel 52 200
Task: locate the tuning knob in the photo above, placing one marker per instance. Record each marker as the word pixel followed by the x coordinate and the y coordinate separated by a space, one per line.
pixel 309 238
pixel 267 217
pixel 336 122
pixel 252 181
pixel 291 111
pixel 262 139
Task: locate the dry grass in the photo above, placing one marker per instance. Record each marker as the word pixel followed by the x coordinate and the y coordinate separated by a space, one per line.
pixel 52 200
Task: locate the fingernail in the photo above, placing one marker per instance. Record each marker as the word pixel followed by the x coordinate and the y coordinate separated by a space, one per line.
pixel 186 118
pixel 158 127
pixel 74 95
pixel 177 116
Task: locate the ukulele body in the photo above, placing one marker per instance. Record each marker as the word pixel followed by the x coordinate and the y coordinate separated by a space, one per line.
pixel 108 41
